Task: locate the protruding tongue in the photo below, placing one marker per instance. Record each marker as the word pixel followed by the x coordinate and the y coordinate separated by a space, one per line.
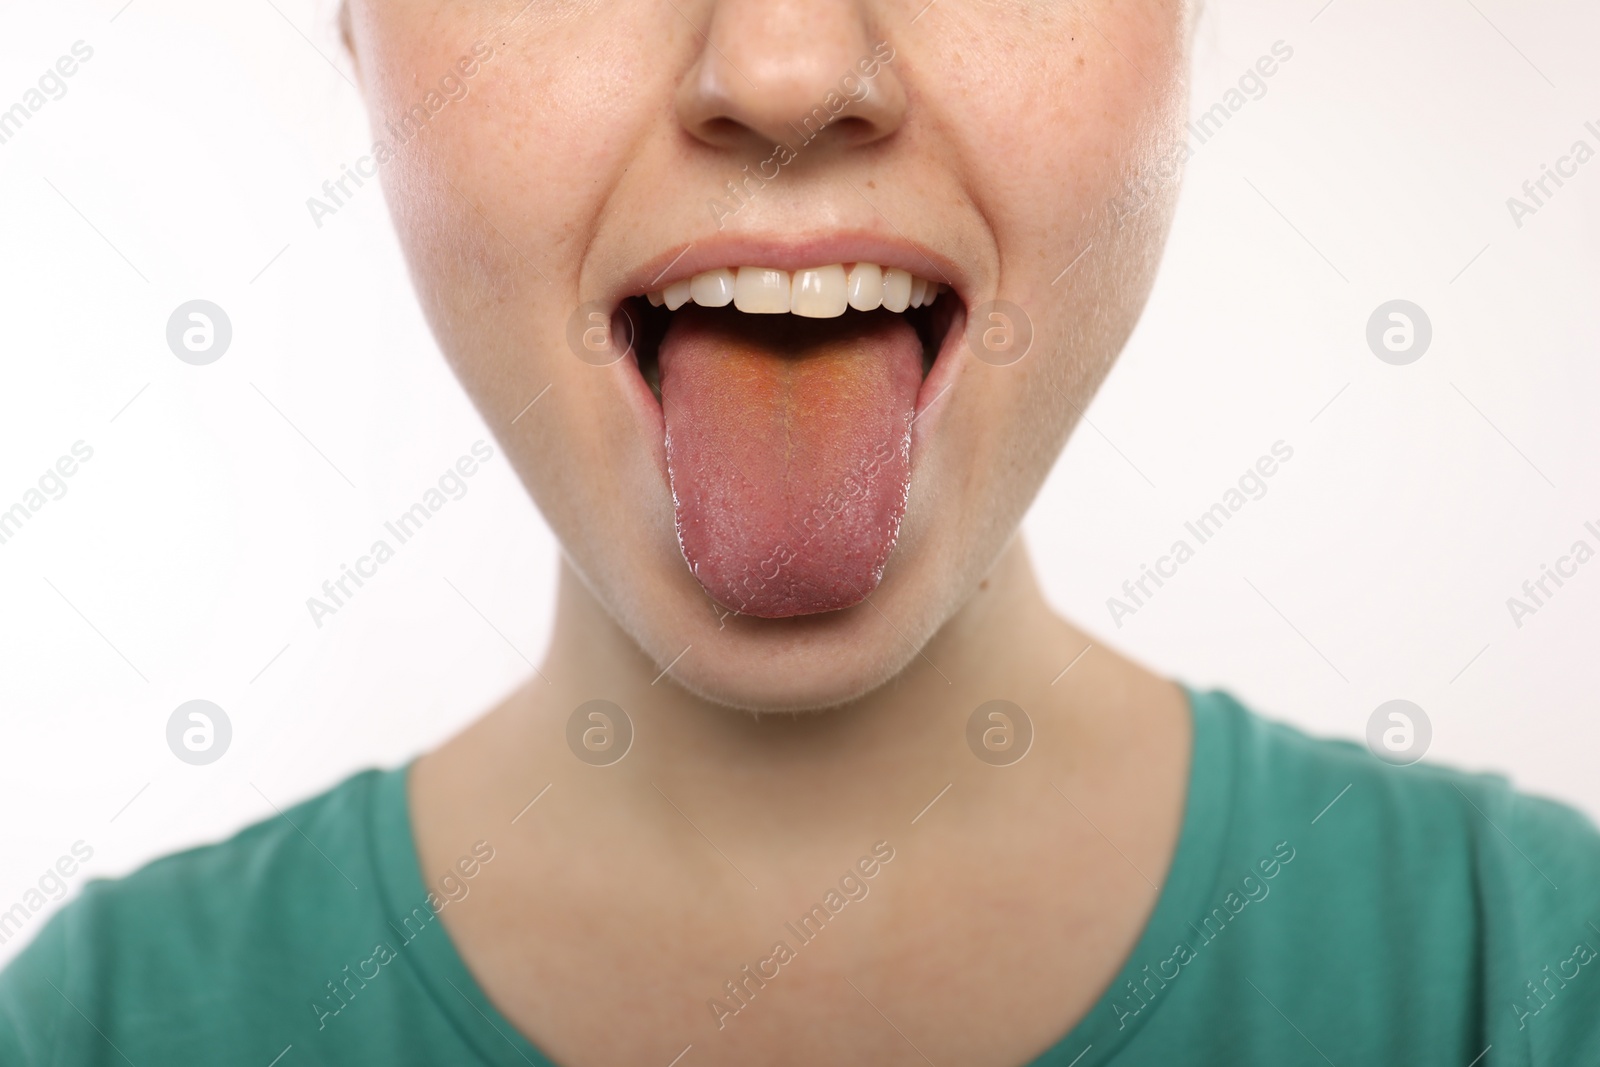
pixel 789 450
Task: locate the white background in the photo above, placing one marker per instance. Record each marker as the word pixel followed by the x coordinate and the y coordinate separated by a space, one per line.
pixel 177 566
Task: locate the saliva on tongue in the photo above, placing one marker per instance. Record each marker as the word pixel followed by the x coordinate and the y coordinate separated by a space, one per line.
pixel 789 451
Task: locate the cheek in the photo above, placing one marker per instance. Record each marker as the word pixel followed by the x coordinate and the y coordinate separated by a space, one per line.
pixel 499 193
pixel 1052 135
pixel 1054 132
pixel 497 199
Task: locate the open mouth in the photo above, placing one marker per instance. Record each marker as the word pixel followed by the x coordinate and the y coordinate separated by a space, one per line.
pixel 788 399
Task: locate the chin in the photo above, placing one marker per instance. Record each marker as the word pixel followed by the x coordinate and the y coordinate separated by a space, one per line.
pixel 810 662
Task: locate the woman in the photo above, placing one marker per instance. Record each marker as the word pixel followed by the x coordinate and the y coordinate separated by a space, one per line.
pixel 810 297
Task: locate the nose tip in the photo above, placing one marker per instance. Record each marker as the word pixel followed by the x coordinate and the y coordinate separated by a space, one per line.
pixel 776 72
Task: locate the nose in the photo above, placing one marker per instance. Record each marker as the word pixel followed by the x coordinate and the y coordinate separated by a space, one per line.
pixel 788 71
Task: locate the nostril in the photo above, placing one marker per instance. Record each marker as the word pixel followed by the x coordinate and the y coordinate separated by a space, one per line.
pixel 721 130
pixel 853 129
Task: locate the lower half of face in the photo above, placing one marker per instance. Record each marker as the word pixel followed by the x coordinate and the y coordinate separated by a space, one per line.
pixel 782 311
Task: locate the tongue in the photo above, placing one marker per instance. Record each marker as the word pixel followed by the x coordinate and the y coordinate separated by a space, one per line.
pixel 789 450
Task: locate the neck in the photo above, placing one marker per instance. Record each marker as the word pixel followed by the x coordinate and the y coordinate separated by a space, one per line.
pixel 709 790
pixel 1003 643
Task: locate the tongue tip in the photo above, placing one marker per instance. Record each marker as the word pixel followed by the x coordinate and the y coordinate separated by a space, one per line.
pixel 828 558
pixel 803 595
pixel 791 608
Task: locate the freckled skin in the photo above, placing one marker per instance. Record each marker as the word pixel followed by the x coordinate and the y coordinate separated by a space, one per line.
pixel 578 154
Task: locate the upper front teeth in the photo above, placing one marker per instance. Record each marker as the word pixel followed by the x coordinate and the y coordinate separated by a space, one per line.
pixel 816 292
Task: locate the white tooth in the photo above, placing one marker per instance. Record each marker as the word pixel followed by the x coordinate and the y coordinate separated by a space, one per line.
pixel 655 298
pixel 761 291
pixel 865 286
pixel 676 295
pixel 819 293
pixel 712 288
pixel 919 292
pixel 896 289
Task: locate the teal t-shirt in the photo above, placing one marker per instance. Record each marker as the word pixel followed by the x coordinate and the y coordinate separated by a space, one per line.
pixel 1322 908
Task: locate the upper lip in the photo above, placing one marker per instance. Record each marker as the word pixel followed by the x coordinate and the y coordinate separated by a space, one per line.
pixel 791 254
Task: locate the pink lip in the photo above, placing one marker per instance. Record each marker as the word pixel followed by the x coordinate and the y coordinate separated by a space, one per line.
pixel 780 253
